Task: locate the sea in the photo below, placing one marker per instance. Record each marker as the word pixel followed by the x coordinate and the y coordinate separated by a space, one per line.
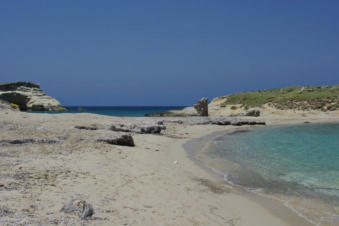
pixel 128 111
pixel 296 164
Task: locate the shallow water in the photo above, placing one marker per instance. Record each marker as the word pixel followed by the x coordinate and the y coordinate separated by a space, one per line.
pixel 298 164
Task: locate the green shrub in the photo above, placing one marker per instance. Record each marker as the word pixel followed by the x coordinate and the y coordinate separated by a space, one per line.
pixel 15 106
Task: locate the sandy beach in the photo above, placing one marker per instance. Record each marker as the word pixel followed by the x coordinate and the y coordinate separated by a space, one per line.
pixel 169 113
pixel 154 183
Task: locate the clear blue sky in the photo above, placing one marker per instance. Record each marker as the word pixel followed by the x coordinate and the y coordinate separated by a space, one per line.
pixel 167 52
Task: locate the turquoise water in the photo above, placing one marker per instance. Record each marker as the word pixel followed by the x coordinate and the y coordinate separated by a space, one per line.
pixel 115 110
pixel 299 159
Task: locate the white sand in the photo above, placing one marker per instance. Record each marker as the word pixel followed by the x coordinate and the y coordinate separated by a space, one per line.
pixel 154 183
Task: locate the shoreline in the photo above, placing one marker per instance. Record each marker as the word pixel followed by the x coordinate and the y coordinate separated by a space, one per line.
pixel 280 210
pixel 237 194
pixel 155 182
pixel 199 151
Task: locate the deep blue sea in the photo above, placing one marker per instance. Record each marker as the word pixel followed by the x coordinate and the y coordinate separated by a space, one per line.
pixel 115 110
pixel 299 161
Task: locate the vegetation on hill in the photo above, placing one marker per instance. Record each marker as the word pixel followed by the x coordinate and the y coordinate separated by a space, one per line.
pixel 325 98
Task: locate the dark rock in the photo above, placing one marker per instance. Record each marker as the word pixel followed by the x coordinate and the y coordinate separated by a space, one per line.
pixel 37 107
pixel 29 141
pixel 202 107
pixel 121 128
pixel 253 113
pixel 116 139
pixel 87 211
pixel 91 127
pixel 153 127
pixel 221 121
pixel 79 207
pixel 239 122
pixel 236 123
pixel 14 85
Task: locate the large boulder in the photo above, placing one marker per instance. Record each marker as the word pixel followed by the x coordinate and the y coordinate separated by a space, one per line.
pixel 29 97
pixel 202 107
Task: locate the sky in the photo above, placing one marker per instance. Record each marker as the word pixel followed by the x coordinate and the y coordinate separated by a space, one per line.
pixel 137 53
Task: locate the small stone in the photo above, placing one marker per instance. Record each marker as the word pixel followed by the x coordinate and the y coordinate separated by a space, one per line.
pixel 87 210
pixel 80 207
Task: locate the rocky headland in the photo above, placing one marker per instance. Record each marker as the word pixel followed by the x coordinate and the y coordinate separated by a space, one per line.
pixel 28 96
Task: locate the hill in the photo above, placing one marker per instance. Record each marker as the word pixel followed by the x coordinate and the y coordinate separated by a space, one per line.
pixel 324 98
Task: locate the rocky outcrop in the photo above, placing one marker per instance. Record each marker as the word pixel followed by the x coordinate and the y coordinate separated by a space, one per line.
pixel 153 127
pixel 29 141
pixel 222 121
pixel 202 106
pixel 28 96
pixel 116 138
